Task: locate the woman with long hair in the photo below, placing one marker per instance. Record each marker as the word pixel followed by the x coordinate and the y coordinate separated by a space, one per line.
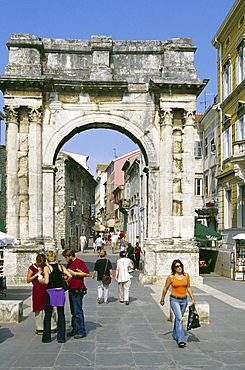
pixel 180 282
pixel 55 297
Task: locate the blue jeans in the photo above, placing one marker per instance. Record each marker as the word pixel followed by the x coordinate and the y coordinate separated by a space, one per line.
pixel 178 306
pixel 47 322
pixel 76 306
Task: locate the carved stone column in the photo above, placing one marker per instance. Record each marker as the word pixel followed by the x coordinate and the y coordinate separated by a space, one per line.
pixel 189 175
pixel 12 191
pixel 166 173
pixel 35 173
pixel 48 207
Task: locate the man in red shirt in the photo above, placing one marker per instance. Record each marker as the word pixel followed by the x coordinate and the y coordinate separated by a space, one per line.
pixel 79 270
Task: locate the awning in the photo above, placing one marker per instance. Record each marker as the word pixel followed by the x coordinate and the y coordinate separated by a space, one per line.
pixel 240 236
pixel 205 234
pixel 7 239
pixel 98 227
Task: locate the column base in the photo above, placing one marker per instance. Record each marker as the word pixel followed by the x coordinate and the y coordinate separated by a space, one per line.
pixel 159 255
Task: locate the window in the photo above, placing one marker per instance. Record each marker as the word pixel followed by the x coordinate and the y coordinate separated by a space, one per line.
pixel 228 209
pixel 240 128
pixel 213 181
pixel 206 146
pixel 240 64
pixel 227 143
pixel 243 206
pixel 227 79
pixel 198 149
pixel 198 187
pixel 206 185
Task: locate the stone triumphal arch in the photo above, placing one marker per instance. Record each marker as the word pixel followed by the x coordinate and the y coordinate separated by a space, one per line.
pixel 54 88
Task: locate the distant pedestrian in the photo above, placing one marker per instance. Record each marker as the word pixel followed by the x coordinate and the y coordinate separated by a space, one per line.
pixel 79 271
pixel 55 297
pixel 130 252
pixel 83 241
pixel 98 244
pixel 34 275
pixel 180 282
pixel 95 236
pixel 102 267
pixel 114 240
pixel 123 277
pixel 137 251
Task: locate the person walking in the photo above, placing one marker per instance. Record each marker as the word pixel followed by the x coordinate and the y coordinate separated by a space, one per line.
pixel 55 297
pixel 34 275
pixel 83 241
pixel 137 251
pixel 102 267
pixel 180 282
pixel 130 252
pixel 98 244
pixel 114 240
pixel 79 271
pixel 123 277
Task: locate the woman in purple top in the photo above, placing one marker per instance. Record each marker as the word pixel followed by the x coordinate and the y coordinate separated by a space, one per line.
pixel 55 297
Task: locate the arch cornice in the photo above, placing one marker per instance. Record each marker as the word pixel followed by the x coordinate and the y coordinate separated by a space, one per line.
pixel 81 123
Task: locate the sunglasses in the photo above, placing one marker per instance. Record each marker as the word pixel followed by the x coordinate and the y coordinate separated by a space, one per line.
pixel 176 266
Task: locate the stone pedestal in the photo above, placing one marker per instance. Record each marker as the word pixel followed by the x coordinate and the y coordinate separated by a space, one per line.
pixel 159 255
pixel 11 311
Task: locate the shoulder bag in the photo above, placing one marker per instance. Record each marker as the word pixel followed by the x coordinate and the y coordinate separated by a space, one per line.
pixel 106 279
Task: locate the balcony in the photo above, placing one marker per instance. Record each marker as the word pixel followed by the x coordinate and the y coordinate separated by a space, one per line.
pixel 238 159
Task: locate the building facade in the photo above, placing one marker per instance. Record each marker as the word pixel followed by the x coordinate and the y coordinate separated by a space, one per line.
pixel 230 44
pixel 74 195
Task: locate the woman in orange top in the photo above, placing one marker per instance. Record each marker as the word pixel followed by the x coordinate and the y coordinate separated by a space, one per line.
pixel 180 282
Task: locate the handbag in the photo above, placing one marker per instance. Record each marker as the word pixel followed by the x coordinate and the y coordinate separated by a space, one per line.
pixel 193 318
pixel 105 278
pixel 64 283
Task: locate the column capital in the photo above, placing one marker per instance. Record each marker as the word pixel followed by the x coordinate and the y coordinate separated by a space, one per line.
pixel 166 116
pixel 189 117
pixel 11 113
pixel 35 114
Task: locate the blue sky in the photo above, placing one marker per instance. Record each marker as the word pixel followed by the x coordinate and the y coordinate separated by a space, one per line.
pixel 122 20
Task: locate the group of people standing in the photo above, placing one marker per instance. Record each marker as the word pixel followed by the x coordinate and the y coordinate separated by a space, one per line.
pixel 49 279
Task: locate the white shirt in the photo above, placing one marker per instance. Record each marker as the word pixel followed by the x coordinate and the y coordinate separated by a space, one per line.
pixel 123 274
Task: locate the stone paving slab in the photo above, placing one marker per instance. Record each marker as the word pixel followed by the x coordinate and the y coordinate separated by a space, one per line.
pixel 137 336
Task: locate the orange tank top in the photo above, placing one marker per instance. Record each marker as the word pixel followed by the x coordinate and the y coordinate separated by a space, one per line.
pixel 179 286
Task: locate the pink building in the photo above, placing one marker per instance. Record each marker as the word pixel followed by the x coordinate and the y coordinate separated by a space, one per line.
pixel 115 178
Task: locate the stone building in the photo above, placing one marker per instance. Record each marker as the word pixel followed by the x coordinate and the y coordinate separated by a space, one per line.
pixel 74 194
pixel 101 177
pixel 147 90
pixel 2 187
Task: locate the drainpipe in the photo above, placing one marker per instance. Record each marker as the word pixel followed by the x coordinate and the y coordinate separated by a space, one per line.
pixel 221 99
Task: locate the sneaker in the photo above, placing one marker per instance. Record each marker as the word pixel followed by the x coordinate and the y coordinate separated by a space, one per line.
pixel 99 300
pixel 127 303
pixel 106 302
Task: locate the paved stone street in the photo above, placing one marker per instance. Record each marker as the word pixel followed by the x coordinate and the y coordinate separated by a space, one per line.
pixel 137 336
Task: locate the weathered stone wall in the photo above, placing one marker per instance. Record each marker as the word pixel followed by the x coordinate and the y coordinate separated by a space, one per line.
pixel 74 194
pixel 147 90
pixel 2 183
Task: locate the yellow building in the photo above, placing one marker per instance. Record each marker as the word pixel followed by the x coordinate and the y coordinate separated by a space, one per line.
pixel 230 44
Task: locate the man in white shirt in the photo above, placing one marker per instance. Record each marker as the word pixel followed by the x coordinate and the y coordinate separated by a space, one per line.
pixel 114 241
